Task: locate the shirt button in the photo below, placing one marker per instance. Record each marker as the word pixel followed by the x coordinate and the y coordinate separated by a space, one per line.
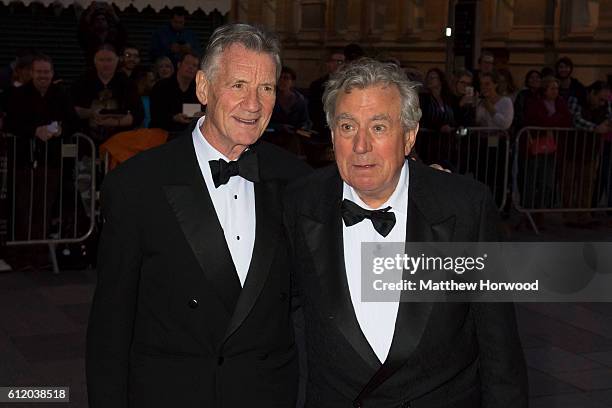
pixel 235 197
pixel 238 237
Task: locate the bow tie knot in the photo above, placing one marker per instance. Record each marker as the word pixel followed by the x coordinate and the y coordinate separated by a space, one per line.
pixel 383 221
pixel 246 166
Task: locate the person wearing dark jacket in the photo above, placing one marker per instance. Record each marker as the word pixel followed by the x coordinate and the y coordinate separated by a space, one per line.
pixel 40 114
pixel 192 306
pixel 169 95
pixel 392 353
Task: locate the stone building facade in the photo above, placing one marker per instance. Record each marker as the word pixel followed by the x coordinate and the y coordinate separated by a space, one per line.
pixel 523 34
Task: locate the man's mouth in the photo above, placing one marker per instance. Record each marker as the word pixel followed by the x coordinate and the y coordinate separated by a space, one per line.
pixel 246 121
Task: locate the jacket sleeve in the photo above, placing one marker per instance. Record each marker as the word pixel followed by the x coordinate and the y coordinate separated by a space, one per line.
pixel 503 375
pixel 111 321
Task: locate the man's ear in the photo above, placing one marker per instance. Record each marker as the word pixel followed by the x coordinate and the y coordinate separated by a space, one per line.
pixel 202 87
pixel 410 139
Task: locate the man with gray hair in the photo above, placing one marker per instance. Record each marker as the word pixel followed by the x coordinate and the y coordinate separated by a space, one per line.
pixel 396 353
pixel 192 303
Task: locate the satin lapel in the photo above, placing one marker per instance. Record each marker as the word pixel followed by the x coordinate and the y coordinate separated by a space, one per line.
pixel 426 223
pixel 323 233
pixel 268 225
pixel 197 218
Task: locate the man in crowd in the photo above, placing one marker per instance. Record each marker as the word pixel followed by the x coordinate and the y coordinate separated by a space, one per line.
pixel 192 306
pixel 173 39
pixel 486 65
pixel 130 61
pixel 335 59
pixel 569 86
pixel 592 114
pixel 392 354
pixel 169 96
pixel 39 114
pixel 105 99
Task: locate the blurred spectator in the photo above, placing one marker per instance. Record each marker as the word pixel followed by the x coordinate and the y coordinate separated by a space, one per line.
pixel 550 109
pixel 290 114
pixel 290 111
pixel 334 61
pixel 144 80
pixel 486 65
pixel 163 68
pixel 605 191
pixel 464 98
pixel 106 98
pixel 506 86
pixel 130 61
pixel 22 72
pixel 173 39
pixel 493 110
pixel 527 95
pixel 19 72
pixel 39 113
pixel 570 86
pixel 436 103
pixel 353 52
pixel 169 96
pixel 591 114
pixel 99 24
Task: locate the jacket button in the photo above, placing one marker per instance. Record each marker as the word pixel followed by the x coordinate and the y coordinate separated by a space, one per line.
pixel 220 361
pixel 193 303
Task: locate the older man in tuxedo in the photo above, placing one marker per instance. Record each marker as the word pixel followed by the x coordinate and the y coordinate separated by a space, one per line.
pixel 192 303
pixel 392 354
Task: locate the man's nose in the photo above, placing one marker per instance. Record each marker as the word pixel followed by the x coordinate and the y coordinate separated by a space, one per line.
pixel 361 143
pixel 251 101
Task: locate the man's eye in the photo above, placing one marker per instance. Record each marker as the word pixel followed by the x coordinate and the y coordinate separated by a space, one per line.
pixel 346 127
pixel 238 86
pixel 268 88
pixel 379 128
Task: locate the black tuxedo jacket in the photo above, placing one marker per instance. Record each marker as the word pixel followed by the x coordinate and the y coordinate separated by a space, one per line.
pixel 442 354
pixel 170 325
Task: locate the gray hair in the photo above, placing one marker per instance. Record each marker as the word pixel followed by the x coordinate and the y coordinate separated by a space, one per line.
pixel 367 72
pixel 251 37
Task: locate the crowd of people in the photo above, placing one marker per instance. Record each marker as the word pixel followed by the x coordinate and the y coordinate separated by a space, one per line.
pixel 118 92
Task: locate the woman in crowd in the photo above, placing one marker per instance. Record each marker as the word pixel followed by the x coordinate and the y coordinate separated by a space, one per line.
pixel 163 68
pixel 438 121
pixel 533 81
pixel 493 110
pixel 436 103
pixel 463 101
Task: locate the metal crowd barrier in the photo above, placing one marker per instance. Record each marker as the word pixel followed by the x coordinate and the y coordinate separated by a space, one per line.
pixel 561 170
pixel 478 152
pixel 51 191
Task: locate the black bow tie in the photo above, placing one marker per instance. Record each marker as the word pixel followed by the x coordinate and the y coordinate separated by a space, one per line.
pixel 382 220
pixel 246 167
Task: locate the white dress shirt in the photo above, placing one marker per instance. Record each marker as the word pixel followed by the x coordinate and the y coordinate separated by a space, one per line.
pixel 376 319
pixel 234 204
